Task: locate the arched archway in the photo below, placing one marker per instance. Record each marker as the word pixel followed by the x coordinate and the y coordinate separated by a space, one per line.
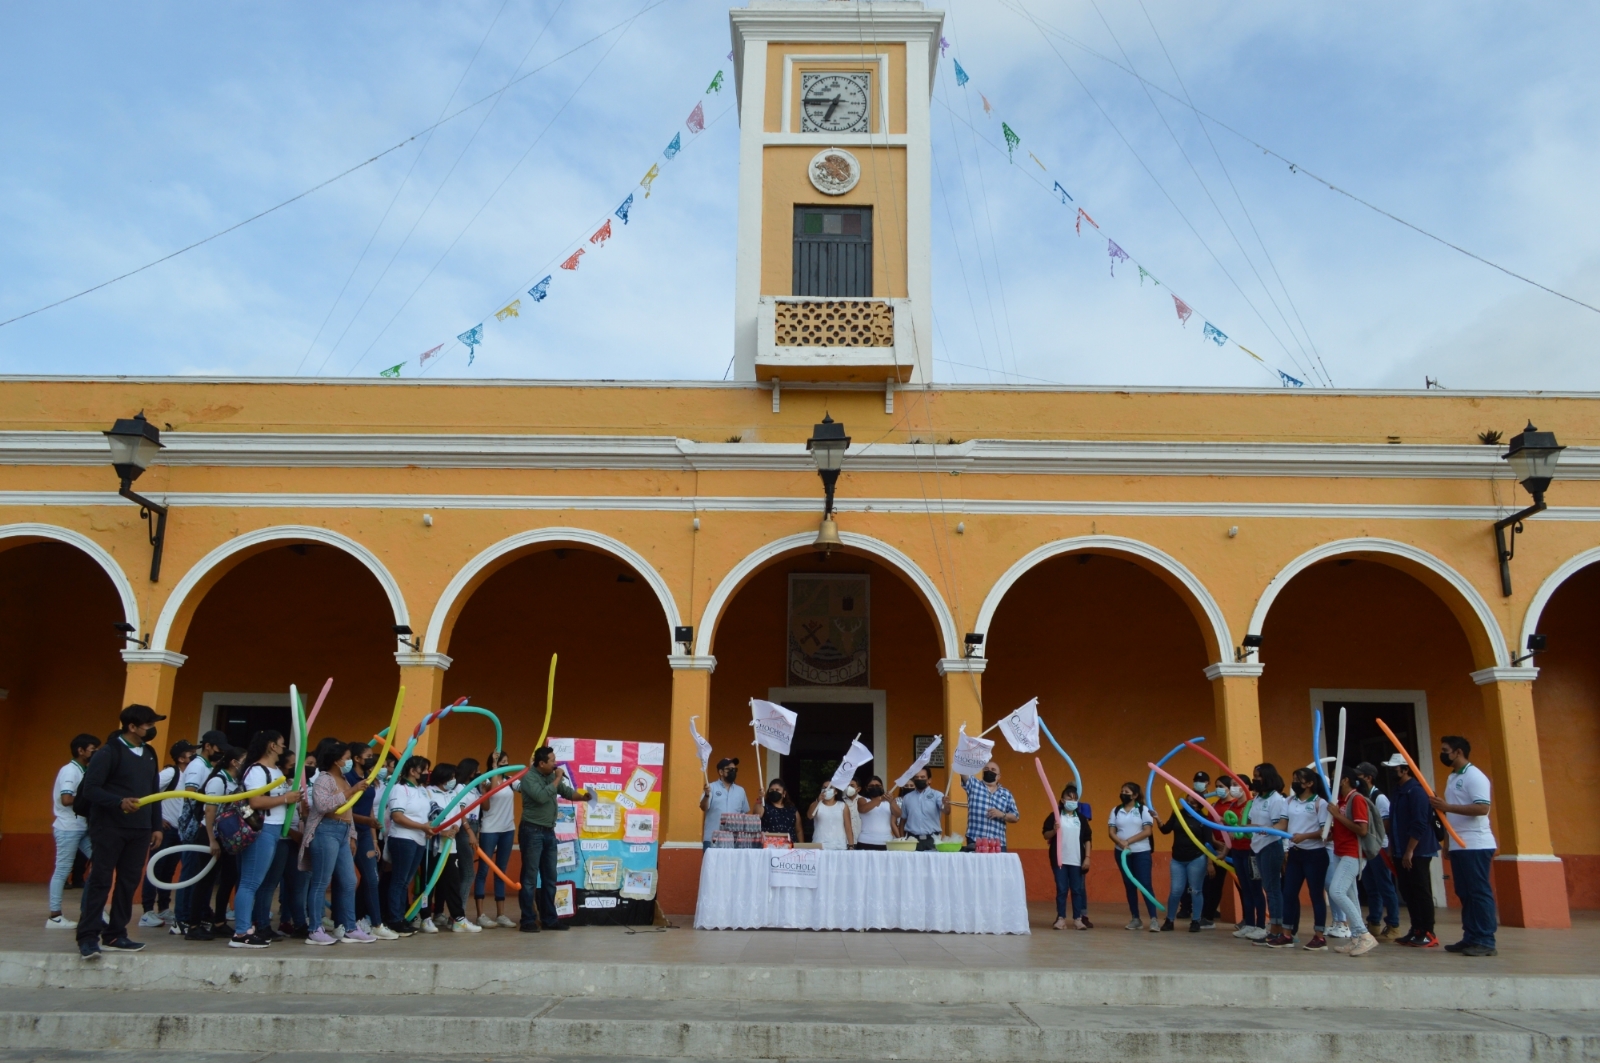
pixel 12 535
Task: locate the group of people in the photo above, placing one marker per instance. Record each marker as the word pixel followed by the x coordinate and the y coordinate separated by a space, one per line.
pixel 1363 845
pixel 869 816
pixel 340 875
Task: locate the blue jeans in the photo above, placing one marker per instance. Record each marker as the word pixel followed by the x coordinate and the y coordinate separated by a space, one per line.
pixel 1308 866
pixel 292 897
pixel 69 844
pixel 331 862
pixel 1469 870
pixel 1252 901
pixel 538 875
pixel 1139 866
pixel 1269 862
pixel 404 858
pixel 1342 892
pixel 254 864
pixel 497 847
pixel 1190 876
pixel 1383 899
pixel 367 903
pixel 1069 879
pixel 192 904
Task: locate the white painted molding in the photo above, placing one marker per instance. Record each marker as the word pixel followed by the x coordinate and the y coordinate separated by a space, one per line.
pixel 757 559
pixel 277 533
pixel 1112 544
pixel 411 659
pixel 683 662
pixel 1530 858
pixel 99 554
pixel 1547 590
pixel 154 657
pixel 1519 674
pixel 829 23
pixel 521 541
pixel 683 845
pixel 1343 547
pixel 1247 670
pixel 962 665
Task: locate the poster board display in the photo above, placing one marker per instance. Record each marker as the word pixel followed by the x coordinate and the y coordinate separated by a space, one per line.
pixel 608 847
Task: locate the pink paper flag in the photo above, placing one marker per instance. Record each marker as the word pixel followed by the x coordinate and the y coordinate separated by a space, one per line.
pixel 1183 309
pixel 988 108
pixel 572 263
pixel 697 119
pixel 602 234
pixel 429 354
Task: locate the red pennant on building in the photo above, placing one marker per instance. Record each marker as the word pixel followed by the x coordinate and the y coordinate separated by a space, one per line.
pixel 697 119
pixel 572 263
pixel 602 234
pixel 1183 310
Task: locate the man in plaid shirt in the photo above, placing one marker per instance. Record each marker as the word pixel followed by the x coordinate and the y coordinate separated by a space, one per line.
pixel 990 807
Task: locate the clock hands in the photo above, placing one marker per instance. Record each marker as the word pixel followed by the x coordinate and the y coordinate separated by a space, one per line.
pixel 831 108
pixel 833 105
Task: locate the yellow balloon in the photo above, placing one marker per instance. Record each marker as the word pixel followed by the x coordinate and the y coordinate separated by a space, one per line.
pixel 209 799
pixel 549 706
pixel 383 749
pixel 1183 821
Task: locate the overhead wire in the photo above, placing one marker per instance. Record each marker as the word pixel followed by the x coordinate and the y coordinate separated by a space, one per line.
pixel 977 241
pixel 961 259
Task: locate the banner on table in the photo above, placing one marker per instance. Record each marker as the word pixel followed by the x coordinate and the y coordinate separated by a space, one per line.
pixel 1021 727
pixel 921 762
pixel 793 867
pixel 971 754
pixel 617 834
pixel 829 630
pixel 846 771
pixel 774 725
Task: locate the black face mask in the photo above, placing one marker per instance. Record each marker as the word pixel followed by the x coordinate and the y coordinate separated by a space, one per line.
pixel 1126 798
pixel 773 797
pixel 990 776
pixel 872 791
pixel 1444 758
pixel 921 784
pixel 150 735
pixel 730 775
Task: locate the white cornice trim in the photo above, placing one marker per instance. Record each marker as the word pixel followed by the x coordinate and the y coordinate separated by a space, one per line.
pixel 154 657
pixel 410 659
pixel 1231 669
pixel 791 504
pixel 683 662
pixel 1518 674
pixel 962 665
pixel 1529 858
pixel 1008 457
pixel 99 554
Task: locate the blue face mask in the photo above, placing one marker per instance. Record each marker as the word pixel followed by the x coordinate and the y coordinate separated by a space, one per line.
pixel 1069 805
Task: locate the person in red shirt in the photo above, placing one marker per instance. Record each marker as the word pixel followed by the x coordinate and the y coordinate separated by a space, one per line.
pixel 1252 900
pixel 1350 819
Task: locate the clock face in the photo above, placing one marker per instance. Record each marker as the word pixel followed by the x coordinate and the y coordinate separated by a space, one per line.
pixel 835 103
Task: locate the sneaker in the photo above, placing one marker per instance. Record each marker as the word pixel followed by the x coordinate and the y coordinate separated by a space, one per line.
pixel 273 935
pixel 465 926
pixel 1257 933
pixel 1059 924
pixel 1208 924
pixel 198 933
pixel 59 922
pixel 328 924
pixel 382 933
pixel 487 921
pixel 1243 931
pixel 339 933
pixel 428 927
pixel 1460 946
pixel 1088 924
pixel 405 931
pixel 1278 941
pixel 1194 926
pixel 358 937
pixel 1166 924
pixel 1426 941
pixel 221 929
pixel 1155 927
pixel 1339 930
pixel 558 926
pixel 529 928
pixel 301 932
pixel 1080 924
pixel 89 950
pixel 149 920
pixel 320 936
pixel 1409 939
pixel 1342 944
pixel 1318 943
pixel 505 921
pixel 1478 950
pixel 365 924
pixel 124 944
pixel 1387 932
pixel 1363 945
pixel 177 929
pixel 1134 924
pixel 247 941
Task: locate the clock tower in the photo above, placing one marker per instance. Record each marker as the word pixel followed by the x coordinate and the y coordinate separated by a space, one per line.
pixel 833 278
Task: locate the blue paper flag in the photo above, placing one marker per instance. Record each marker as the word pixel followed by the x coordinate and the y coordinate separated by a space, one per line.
pixel 1065 196
pixel 1289 380
pixel 627 205
pixel 542 289
pixel 675 147
pixel 473 336
pixel 961 75
pixel 1214 334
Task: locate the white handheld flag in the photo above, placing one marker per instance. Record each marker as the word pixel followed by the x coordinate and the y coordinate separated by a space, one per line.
pixel 774 725
pixel 971 754
pixel 1021 728
pixel 920 763
pixel 701 744
pixel 858 755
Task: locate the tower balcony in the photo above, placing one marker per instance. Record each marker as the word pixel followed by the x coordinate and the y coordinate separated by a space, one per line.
pixel 828 338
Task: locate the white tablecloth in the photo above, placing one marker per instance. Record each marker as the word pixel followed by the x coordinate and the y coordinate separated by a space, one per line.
pixel 964 893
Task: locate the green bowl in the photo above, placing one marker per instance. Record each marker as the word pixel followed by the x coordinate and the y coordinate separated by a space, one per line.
pixel 948 847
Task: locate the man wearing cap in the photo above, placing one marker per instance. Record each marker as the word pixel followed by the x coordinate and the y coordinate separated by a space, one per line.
pixel 1413 845
pixel 195 925
pixel 120 772
pixel 723 795
pixel 166 835
pixel 1377 884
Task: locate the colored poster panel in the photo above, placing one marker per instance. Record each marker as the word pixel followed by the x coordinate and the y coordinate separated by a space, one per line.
pixel 615 838
pixel 829 630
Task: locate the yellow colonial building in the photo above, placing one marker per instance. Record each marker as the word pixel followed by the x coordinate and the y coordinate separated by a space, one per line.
pixel 1151 564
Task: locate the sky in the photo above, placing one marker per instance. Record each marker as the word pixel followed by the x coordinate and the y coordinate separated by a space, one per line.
pixel 133 130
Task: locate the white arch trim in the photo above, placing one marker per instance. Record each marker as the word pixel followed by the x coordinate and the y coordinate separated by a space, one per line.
pixel 855 540
pixel 1547 590
pixel 1117 544
pixel 284 533
pixel 616 547
pixel 1469 593
pixel 102 557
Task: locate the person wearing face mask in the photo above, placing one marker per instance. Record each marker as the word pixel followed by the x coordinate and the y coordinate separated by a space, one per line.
pixel 1377 884
pixel 990 808
pixel 1211 889
pixel 1071 840
pixel 1252 902
pixel 1306 862
pixel 876 816
pixel 1131 827
pixel 922 811
pixel 1269 808
pixel 830 826
pixel 117 775
pixel 780 816
pixel 722 795
pixel 1465 803
pixel 369 904
pixel 327 846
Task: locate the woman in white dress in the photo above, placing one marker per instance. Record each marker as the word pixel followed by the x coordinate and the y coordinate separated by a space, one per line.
pixel 830 824
pixel 876 817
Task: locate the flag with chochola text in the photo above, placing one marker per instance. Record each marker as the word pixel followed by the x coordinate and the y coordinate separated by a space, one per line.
pixel 539 291
pixel 697 119
pixel 1184 310
pixel 572 261
pixel 1116 253
pixel 1214 334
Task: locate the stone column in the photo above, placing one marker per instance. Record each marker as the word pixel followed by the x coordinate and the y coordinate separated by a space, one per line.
pixel 963 704
pixel 1530 886
pixel 691 698
pixel 152 675
pixel 1238 715
pixel 422 674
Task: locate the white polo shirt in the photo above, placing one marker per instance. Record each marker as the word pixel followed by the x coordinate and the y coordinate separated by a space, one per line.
pixel 1308 816
pixel 413 803
pixel 1265 811
pixel 1126 822
pixel 1469 786
pixel 68 779
pixel 257 776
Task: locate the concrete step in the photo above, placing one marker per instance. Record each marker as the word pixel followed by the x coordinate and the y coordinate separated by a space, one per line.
pixel 827 1028
pixel 1353 983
